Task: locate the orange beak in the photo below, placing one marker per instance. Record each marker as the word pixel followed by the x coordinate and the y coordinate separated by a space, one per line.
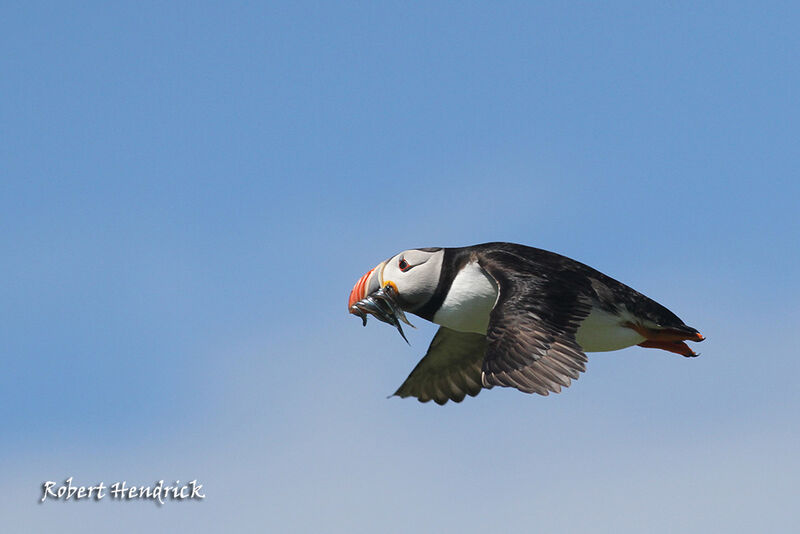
pixel 369 281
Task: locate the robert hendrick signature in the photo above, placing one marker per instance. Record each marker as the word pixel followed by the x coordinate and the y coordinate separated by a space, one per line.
pixel 121 491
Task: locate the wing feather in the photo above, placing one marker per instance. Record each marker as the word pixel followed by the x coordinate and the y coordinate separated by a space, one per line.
pixel 530 343
pixel 450 370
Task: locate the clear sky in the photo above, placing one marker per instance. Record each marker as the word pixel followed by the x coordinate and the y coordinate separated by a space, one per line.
pixel 188 192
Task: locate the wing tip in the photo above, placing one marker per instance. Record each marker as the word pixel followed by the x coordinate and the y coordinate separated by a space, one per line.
pixel 441 401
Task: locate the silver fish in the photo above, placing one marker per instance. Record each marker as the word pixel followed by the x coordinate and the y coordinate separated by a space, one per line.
pixel 383 306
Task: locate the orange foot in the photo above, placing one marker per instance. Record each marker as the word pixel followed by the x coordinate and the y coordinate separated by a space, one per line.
pixel 669 339
pixel 678 347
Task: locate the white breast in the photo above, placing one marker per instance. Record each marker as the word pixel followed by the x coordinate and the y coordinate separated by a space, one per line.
pixel 468 303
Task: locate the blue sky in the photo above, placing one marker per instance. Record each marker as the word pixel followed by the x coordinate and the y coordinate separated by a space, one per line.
pixel 189 191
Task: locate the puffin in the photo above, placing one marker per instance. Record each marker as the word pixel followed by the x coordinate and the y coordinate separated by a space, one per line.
pixel 510 315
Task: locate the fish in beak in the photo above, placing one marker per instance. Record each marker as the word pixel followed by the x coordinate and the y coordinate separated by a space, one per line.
pixel 370 296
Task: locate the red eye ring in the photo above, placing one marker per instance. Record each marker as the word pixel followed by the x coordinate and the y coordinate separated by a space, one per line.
pixel 404 266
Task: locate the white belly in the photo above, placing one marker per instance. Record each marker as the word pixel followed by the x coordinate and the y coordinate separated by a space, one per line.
pixel 602 331
pixel 471 298
pixel 473 294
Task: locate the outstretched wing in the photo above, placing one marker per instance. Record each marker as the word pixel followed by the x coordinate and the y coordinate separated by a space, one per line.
pixel 531 336
pixel 450 370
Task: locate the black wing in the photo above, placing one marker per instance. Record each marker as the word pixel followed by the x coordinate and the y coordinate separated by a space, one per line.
pixel 450 370
pixel 531 337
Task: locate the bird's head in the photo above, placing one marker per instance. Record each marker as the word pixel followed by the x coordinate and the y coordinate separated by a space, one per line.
pixel 413 275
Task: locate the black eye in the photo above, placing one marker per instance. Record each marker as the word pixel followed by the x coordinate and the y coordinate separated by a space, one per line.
pixel 404 266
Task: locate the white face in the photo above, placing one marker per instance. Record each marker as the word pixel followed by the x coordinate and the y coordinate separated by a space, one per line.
pixel 415 273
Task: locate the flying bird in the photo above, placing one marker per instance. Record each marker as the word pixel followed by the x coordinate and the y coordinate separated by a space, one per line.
pixel 510 315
